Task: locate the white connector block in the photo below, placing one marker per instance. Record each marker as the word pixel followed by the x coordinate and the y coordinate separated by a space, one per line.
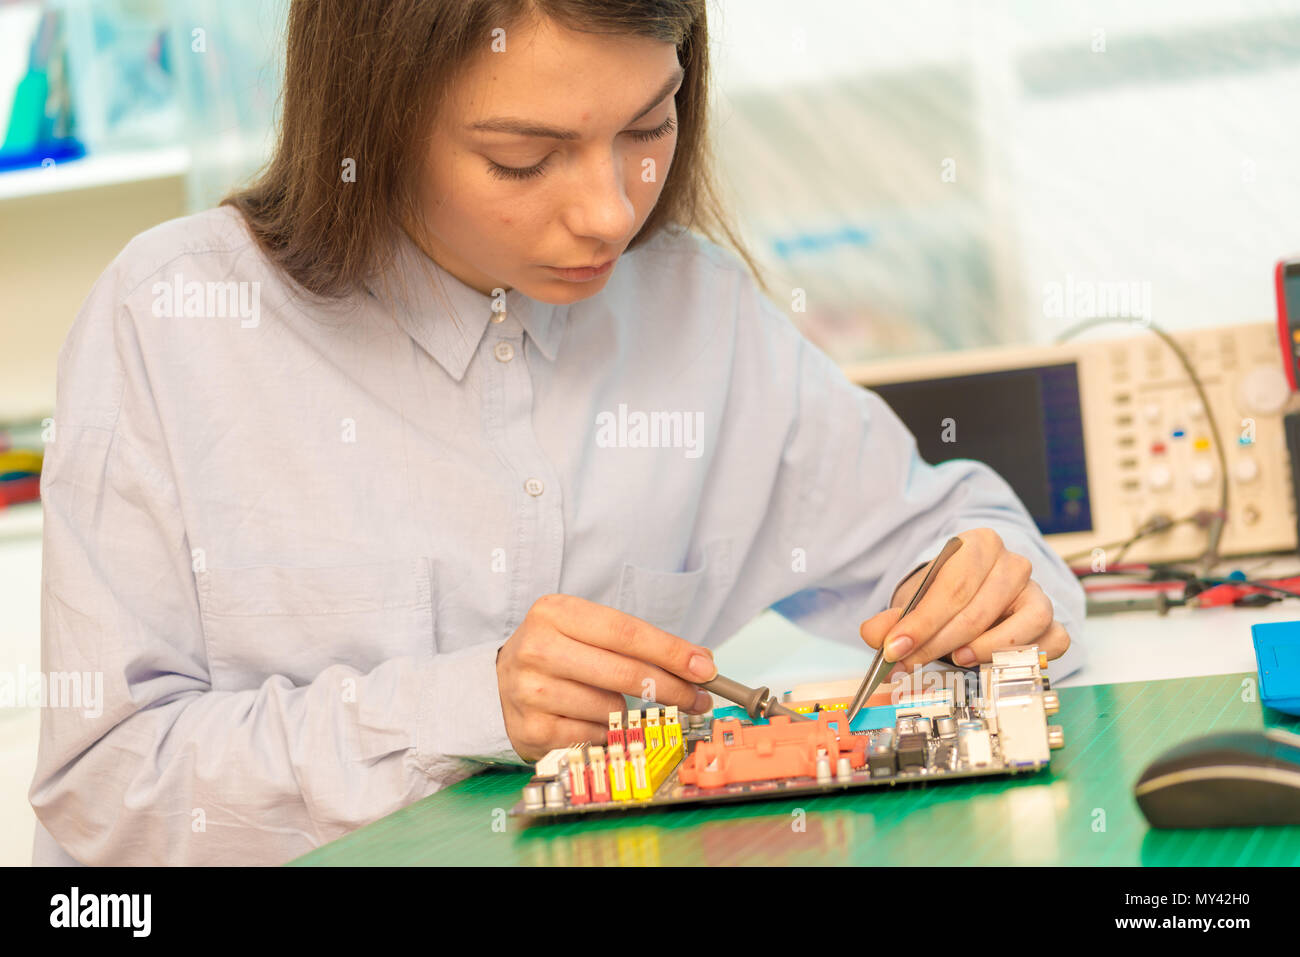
pixel 976 749
pixel 1013 657
pixel 1022 729
pixel 550 764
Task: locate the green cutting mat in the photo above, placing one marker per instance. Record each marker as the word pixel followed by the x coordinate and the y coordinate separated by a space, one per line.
pixel 1080 812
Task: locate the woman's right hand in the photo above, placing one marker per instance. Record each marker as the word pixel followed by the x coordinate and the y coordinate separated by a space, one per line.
pixel 569 663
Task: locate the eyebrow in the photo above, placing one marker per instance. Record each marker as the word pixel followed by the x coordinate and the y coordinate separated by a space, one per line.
pixel 505 124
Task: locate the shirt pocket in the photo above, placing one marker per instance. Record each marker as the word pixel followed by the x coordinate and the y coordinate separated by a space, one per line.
pixel 269 620
pixel 670 600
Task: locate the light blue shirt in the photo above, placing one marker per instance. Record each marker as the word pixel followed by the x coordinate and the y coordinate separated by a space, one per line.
pixel 292 535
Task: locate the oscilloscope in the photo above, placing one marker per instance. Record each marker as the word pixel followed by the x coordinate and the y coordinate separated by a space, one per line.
pixel 1098 437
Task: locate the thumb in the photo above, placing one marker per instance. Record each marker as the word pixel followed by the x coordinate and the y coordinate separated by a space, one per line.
pixel 874 629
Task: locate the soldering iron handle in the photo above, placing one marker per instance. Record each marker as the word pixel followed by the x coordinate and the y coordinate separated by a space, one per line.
pixel 751 699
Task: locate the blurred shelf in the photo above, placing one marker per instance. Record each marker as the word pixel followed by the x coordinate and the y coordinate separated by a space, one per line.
pixel 92 171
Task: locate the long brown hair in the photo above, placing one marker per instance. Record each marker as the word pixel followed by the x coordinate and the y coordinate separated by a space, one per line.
pixel 363 81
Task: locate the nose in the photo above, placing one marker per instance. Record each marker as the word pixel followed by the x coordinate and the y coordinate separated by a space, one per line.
pixel 600 207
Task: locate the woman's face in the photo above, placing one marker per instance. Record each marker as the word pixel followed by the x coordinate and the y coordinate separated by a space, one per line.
pixel 549 154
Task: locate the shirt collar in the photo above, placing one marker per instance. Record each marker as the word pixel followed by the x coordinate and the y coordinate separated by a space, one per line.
pixel 411 284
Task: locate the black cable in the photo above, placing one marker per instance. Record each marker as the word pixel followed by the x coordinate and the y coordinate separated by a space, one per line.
pixel 1152 527
pixel 1211 553
pixel 1257 600
pixel 1194 585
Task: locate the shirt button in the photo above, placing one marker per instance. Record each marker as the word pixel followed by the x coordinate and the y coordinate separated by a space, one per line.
pixel 534 486
pixel 498 315
pixel 504 351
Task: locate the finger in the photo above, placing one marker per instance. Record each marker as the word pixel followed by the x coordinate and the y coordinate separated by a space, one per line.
pixel 874 629
pixel 1056 642
pixel 613 630
pixel 566 732
pixel 952 588
pixel 1006 581
pixel 1030 618
pixel 1052 642
pixel 575 732
pixel 566 658
pixel 570 699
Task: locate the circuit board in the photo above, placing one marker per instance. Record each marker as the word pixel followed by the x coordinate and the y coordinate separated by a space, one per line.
pixel 656 758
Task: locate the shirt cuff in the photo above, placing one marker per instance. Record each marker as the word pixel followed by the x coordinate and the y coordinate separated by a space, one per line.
pixel 1074 658
pixel 460 709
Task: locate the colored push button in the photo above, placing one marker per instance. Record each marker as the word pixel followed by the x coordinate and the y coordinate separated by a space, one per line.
pixel 1160 477
pixel 1157 448
pixel 1201 444
pixel 1178 433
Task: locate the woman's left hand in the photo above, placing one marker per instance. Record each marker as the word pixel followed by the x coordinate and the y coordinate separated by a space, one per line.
pixel 981 600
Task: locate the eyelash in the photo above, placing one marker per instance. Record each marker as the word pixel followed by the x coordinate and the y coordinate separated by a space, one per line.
pixel 642 136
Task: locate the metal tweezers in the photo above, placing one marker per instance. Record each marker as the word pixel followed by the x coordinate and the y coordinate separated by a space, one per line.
pixel 877 671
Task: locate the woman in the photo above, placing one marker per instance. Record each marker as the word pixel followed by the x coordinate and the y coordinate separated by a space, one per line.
pixel 368 477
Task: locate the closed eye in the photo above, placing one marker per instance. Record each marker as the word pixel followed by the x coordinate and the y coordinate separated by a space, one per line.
pixel 658 133
pixel 529 172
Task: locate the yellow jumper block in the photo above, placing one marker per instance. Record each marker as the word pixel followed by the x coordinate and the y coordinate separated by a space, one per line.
pixel 620 786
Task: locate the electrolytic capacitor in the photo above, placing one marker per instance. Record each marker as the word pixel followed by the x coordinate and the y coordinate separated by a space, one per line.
pixel 533 798
pixel 823 769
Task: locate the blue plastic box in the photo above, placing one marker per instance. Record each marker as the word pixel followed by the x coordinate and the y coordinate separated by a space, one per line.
pixel 1277 653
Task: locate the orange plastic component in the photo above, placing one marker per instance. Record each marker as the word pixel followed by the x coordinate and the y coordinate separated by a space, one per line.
pixel 780 749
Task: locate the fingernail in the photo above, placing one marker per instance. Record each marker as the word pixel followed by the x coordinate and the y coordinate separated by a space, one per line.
pixel 703 668
pixel 898 648
pixel 963 656
pixel 703 702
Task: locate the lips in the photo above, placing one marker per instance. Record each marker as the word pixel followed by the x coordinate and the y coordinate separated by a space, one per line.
pixel 581 273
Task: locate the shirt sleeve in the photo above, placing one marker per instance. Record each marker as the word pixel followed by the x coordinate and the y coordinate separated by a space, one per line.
pixel 152 765
pixel 858 503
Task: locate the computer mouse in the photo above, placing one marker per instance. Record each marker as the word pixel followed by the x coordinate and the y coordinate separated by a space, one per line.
pixel 1230 779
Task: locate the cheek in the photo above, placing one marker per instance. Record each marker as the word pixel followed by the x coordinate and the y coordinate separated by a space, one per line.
pixel 663 159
